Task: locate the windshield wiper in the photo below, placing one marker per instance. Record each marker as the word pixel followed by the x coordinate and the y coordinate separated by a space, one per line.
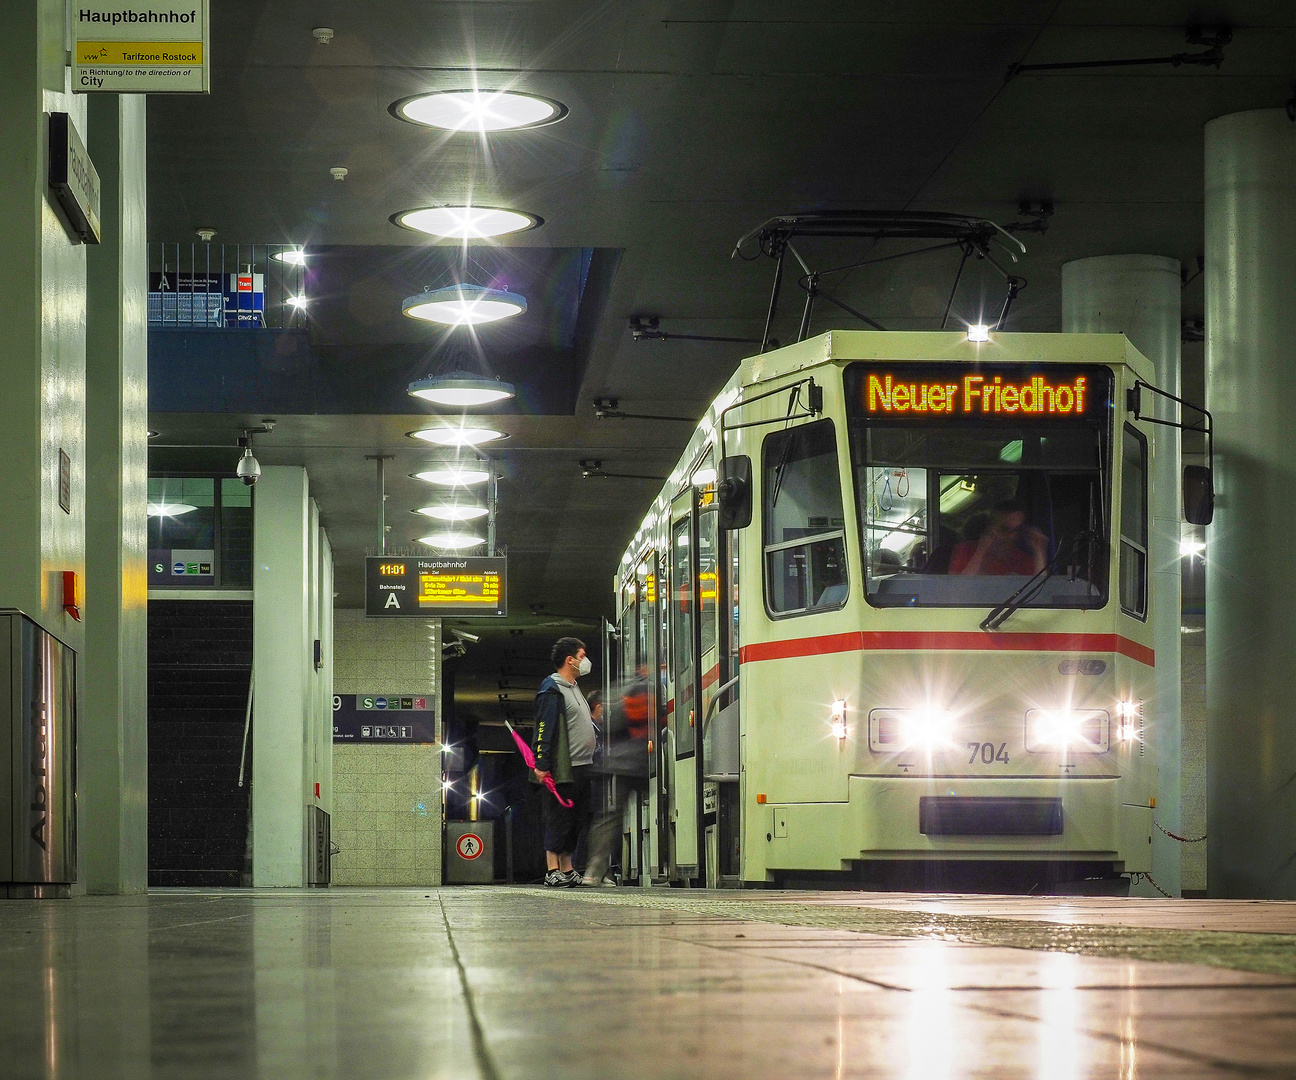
pixel 1033 584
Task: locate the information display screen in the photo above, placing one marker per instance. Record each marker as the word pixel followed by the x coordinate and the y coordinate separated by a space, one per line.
pixel 412 587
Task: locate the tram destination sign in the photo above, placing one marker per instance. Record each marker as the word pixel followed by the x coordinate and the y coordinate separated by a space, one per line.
pixel 999 391
pixel 413 587
pixel 141 47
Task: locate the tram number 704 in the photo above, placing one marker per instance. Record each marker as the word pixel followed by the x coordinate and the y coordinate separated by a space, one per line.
pixel 987 753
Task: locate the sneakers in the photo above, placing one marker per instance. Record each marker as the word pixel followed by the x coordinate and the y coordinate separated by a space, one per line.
pixel 558 879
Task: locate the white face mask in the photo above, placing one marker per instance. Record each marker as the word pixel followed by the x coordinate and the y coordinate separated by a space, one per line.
pixel 585 666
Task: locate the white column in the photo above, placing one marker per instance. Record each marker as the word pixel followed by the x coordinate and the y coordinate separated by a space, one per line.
pixel 281 664
pixel 113 735
pixel 1250 569
pixel 1139 296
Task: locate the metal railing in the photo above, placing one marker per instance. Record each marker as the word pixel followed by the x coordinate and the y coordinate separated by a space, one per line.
pixel 227 286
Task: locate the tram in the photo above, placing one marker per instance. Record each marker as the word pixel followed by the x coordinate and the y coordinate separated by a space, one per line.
pixel 893 609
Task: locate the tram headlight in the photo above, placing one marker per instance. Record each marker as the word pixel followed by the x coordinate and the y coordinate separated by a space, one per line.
pixel 838 719
pixel 927 728
pixel 1129 724
pixel 1084 731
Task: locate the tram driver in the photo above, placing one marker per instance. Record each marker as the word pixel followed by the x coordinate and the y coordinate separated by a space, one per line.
pixel 1010 544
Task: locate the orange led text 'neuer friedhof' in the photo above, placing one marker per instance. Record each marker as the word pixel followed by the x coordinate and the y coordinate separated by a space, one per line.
pixel 977 394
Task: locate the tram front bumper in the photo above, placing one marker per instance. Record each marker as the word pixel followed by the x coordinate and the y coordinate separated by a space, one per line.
pixel 919 818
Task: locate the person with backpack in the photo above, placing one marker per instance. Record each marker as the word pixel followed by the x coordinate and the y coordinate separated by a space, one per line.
pixel 564 745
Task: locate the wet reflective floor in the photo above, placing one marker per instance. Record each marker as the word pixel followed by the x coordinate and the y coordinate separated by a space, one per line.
pixel 520 983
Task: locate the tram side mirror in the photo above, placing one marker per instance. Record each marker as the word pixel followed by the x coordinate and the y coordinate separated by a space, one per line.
pixel 1198 495
pixel 733 492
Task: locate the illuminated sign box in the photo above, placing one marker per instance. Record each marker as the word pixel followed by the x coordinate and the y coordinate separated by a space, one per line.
pixel 434 586
pixel 1020 392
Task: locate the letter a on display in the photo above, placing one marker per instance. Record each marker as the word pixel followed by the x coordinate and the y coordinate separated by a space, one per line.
pixel 392 601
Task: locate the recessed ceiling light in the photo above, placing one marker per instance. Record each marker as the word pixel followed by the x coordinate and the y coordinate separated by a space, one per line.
pixel 291 256
pixel 461 389
pixel 464 305
pixel 478 110
pixel 450 541
pixel 452 513
pixel 466 222
pixel 166 509
pixel 452 436
pixel 978 332
pixel 452 477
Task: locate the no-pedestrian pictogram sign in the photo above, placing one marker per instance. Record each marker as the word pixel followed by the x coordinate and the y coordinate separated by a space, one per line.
pixel 469 846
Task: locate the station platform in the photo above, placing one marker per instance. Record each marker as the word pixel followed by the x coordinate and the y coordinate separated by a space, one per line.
pixel 521 983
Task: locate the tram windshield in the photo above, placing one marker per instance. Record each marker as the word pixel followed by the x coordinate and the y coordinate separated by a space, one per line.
pixel 972 481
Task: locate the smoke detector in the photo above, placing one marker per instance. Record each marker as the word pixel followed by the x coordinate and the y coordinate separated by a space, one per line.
pixel 338 172
pixel 206 235
pixel 322 34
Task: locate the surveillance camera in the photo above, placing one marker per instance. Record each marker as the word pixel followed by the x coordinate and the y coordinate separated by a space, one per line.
pixel 248 469
pixel 463 635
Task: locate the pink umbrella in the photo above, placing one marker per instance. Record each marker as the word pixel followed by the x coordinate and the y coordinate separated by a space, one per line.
pixel 529 758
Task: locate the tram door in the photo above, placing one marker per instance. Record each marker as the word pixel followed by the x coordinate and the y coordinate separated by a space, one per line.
pixel 652 820
pixel 696 644
pixel 683 713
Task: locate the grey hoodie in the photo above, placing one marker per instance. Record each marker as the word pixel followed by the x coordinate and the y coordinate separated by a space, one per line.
pixel 580 725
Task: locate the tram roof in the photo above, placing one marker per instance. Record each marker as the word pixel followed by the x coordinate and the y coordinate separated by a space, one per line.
pixel 944 346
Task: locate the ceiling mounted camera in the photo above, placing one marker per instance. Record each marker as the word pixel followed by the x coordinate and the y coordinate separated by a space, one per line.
pixel 248 469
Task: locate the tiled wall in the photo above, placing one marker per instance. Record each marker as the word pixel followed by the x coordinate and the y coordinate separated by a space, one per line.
pixel 1193 755
pixel 386 799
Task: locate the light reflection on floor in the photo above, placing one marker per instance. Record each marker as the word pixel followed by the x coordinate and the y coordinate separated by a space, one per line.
pixel 359 984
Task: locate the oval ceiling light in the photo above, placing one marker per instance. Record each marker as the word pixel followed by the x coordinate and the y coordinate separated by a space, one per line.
pixel 452 436
pixel 452 513
pixel 452 477
pixel 449 541
pixel 478 110
pixel 464 305
pixel 166 509
pixel 291 256
pixel 466 222
pixel 460 389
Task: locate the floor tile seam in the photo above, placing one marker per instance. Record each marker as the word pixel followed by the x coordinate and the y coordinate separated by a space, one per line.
pixel 1117 943
pixel 1196 1058
pixel 1098 1035
pixel 481 1052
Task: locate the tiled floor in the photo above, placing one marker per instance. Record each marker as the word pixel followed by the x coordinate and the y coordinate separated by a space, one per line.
pixel 521 984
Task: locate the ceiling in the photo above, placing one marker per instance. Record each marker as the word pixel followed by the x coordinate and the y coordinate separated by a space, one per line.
pixel 689 123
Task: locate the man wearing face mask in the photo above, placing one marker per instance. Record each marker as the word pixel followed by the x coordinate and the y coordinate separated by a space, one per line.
pixel 564 746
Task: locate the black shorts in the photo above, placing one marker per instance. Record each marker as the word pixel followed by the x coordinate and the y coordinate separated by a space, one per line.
pixel 562 824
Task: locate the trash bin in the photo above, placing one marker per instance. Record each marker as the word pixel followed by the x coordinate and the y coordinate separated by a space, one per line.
pixel 470 852
pixel 38 813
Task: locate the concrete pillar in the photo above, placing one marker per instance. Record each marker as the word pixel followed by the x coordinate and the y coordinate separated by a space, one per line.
pixel 1139 296
pixel 114 721
pixel 281 668
pixel 1251 573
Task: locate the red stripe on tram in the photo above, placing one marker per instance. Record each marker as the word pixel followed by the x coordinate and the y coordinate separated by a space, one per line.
pixel 945 641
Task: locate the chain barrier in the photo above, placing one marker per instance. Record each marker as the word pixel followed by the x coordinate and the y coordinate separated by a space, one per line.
pixel 1176 836
pixel 1136 878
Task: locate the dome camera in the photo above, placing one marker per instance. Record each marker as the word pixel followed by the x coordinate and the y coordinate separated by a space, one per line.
pixel 248 469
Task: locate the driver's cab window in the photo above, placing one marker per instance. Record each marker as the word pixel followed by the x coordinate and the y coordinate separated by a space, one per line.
pixel 804 526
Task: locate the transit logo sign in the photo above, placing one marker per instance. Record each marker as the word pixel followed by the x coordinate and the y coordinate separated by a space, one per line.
pixel 141 46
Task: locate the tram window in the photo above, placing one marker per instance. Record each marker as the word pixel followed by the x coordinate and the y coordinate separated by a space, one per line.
pixel 1134 523
pixel 961 516
pixel 708 580
pixel 682 634
pixel 804 526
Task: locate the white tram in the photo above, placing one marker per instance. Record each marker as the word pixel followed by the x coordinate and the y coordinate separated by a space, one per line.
pixel 924 646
